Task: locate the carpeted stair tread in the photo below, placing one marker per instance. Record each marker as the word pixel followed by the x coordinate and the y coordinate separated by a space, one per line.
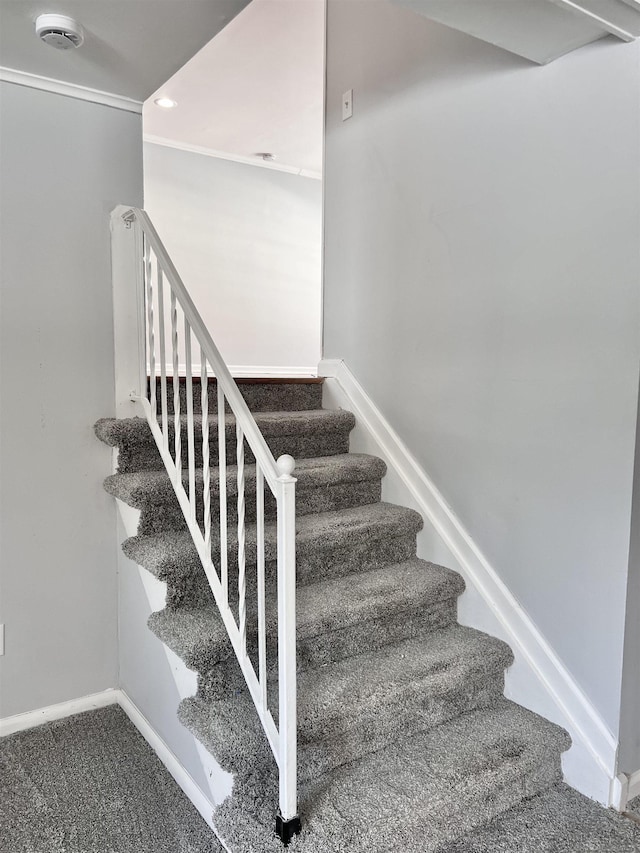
pixel 421 792
pixel 336 603
pixel 418 794
pixel 151 488
pixel 338 618
pixel 277 395
pixel 440 661
pixel 559 820
pixel 312 433
pixel 409 686
pixel 114 431
pixel 335 618
pixel 172 556
pixel 195 634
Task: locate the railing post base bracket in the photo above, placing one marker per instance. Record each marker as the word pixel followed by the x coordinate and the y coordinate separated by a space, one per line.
pixel 286 829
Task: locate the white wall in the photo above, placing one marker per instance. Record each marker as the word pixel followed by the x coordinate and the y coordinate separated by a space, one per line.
pixel 64 164
pixel 155 679
pixel 481 281
pixel 247 244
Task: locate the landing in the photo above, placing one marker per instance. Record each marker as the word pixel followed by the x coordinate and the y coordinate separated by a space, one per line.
pixel 91 784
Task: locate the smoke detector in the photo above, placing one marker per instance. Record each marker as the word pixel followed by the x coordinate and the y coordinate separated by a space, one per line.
pixel 59 31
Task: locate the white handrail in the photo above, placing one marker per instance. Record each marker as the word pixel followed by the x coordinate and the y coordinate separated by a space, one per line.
pixel 238 405
pixel 179 458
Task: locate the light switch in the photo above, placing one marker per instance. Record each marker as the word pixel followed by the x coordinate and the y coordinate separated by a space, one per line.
pixel 347 105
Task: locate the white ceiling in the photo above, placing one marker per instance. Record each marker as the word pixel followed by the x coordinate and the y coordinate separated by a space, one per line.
pixel 130 46
pixel 258 86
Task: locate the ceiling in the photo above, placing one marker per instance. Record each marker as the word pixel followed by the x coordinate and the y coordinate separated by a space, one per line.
pixel 130 48
pixel 258 86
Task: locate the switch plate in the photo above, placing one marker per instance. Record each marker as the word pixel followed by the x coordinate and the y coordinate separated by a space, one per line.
pixel 347 105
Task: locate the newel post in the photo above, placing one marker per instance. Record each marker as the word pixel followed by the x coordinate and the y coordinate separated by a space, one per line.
pixel 287 819
pixel 127 279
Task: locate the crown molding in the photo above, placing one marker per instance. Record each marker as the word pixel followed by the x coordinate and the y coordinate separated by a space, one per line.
pixel 235 158
pixel 69 90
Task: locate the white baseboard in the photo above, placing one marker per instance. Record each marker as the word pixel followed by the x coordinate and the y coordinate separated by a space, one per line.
pixel 538 679
pixel 624 788
pixel 31 719
pixel 252 371
pixel 634 786
pixel 189 786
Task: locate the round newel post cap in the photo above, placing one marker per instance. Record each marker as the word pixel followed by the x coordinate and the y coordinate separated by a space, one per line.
pixel 286 465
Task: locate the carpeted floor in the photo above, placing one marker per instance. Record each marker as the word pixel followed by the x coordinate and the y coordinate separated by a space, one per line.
pixel 91 784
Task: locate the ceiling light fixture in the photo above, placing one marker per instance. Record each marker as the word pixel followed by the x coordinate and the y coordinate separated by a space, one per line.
pixel 165 103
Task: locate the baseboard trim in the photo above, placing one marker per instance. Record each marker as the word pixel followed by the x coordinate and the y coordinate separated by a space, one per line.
pixel 576 710
pixel 634 786
pixel 183 778
pixel 251 371
pixel 70 90
pixel 31 719
pixel 624 788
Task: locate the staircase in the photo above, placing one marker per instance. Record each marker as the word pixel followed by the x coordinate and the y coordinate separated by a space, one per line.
pixel 405 740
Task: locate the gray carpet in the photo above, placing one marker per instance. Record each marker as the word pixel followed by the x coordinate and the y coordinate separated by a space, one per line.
pixel 91 784
pixel 406 742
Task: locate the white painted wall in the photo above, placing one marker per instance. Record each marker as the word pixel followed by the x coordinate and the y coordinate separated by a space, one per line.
pixel 64 164
pixel 153 677
pixel 247 244
pixel 481 281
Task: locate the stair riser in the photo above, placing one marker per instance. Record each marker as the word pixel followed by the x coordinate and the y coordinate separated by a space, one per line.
pixel 191 586
pixel 259 397
pixel 367 636
pixel 410 710
pixel 143 454
pixel 400 718
pixel 167 515
pixel 462 805
pixel 319 650
pixel 323 647
pixel 479 811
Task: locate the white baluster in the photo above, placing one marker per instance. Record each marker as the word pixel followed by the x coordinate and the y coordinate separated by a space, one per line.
pixel 176 388
pixel 242 581
pixel 163 357
pixel 206 465
pixel 222 474
pixel 262 622
pixel 191 452
pixel 287 636
pixel 152 342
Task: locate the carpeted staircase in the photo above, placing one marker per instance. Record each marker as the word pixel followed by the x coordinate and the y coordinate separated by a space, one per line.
pixel 406 742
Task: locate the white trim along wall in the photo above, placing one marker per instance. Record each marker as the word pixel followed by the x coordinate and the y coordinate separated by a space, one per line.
pixel 70 90
pixel 235 158
pixel 538 679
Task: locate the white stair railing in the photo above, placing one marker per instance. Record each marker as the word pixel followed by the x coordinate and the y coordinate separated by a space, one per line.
pixel 144 276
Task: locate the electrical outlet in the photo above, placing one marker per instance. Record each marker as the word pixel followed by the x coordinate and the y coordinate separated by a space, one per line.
pixel 347 105
pixel 1 639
